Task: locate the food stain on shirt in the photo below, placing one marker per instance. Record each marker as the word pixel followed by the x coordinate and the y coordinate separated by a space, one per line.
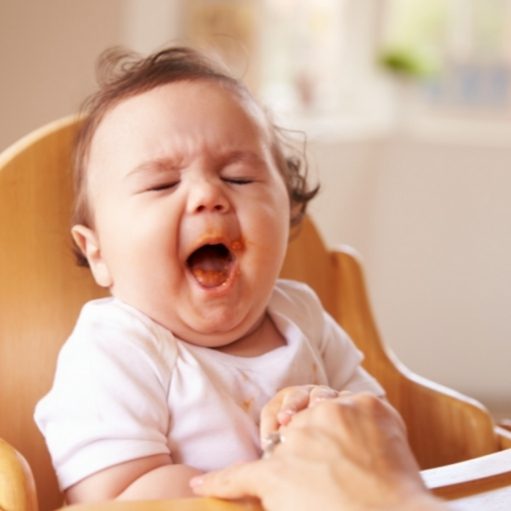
pixel 247 404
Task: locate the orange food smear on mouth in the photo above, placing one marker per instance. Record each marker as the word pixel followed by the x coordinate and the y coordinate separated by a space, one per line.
pixel 237 246
pixel 210 278
pixel 212 264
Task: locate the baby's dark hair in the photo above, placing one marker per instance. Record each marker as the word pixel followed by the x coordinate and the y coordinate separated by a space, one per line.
pixel 123 74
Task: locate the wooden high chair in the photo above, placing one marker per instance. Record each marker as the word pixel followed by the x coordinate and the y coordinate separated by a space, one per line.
pixel 42 290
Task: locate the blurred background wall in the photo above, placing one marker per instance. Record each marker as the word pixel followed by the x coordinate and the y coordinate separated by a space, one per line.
pixel 406 106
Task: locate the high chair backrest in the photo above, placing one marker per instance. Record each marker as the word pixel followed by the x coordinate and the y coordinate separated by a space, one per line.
pixel 42 290
pixel 444 426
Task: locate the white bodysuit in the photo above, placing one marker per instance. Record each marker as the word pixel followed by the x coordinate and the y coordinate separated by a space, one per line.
pixel 126 388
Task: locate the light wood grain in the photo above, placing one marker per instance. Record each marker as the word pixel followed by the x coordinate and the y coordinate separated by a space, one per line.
pixel 17 492
pixel 41 289
pixel 192 504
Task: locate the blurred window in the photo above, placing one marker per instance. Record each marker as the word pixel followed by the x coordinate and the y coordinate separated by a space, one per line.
pixel 318 57
pixel 459 51
pixel 365 59
pixel 308 57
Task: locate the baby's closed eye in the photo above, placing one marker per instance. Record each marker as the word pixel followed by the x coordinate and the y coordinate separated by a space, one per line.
pixel 164 185
pixel 238 180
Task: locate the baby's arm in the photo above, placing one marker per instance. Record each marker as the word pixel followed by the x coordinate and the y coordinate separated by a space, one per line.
pixel 152 477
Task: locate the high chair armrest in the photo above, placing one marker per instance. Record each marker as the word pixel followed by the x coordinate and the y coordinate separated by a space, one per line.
pixel 17 486
pixel 503 432
pixel 505 423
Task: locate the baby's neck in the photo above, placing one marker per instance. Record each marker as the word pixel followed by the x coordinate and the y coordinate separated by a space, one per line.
pixel 263 338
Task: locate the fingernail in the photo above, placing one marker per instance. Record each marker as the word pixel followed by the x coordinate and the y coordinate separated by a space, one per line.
pixel 285 416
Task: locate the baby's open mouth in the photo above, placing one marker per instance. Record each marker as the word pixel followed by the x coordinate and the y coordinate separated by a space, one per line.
pixel 211 264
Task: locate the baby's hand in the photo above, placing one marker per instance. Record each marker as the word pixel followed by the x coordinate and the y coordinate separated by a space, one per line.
pixel 287 402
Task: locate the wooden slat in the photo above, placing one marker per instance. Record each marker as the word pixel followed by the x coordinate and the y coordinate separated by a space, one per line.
pixel 17 485
pixel 191 504
pixel 476 476
pixel 41 289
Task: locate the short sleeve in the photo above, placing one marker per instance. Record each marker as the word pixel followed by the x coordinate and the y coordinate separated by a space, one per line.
pixel 340 357
pixel 342 360
pixel 108 402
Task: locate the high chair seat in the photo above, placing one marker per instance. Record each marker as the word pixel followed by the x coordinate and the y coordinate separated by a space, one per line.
pixel 42 291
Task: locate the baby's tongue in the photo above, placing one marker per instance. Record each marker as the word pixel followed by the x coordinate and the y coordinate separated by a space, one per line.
pixel 210 265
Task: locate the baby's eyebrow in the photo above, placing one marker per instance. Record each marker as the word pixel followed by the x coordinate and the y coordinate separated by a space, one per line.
pixel 176 164
pixel 156 166
pixel 242 156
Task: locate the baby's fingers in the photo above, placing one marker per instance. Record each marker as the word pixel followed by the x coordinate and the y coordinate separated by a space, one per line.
pixel 289 401
pixel 300 398
pixel 295 400
pixel 273 415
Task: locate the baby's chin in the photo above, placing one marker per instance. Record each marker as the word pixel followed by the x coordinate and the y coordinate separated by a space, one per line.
pixel 221 336
pixel 208 327
pixel 211 338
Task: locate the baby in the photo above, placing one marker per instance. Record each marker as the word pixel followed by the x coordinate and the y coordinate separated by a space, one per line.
pixel 184 201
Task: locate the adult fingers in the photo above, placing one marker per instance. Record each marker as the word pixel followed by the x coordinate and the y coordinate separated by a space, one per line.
pixel 234 482
pixel 349 412
pixel 321 393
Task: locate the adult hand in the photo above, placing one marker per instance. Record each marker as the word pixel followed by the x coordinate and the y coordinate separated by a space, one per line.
pixel 350 453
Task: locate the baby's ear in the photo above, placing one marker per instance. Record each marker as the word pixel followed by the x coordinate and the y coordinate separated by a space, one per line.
pixel 87 241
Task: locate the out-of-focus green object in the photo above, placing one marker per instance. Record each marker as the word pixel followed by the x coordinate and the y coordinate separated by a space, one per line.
pixel 414 38
pixel 408 63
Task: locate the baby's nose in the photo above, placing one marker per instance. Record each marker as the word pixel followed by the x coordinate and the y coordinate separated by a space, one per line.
pixel 207 196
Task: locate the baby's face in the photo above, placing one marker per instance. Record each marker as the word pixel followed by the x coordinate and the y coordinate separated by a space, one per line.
pixel 191 214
